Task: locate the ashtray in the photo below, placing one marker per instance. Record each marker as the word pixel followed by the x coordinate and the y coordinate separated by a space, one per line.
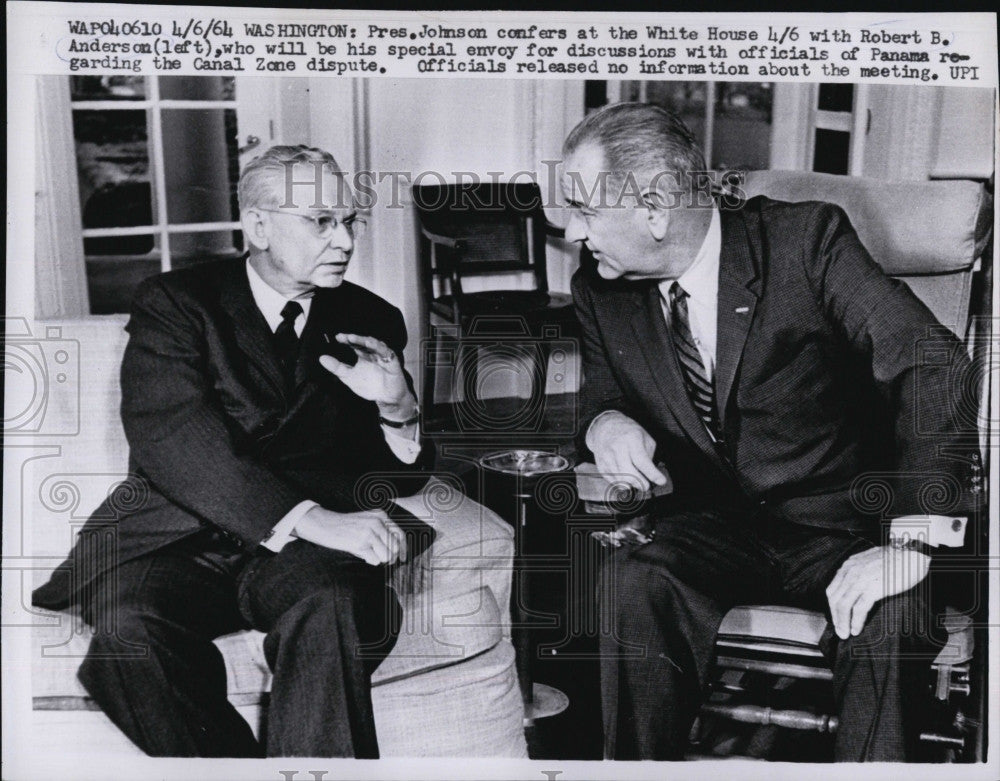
pixel 526 463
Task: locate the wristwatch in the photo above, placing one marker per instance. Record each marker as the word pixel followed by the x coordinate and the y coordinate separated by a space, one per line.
pixel 414 418
pixel 911 543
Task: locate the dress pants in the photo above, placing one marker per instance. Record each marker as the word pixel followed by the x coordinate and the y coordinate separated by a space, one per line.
pixel 152 667
pixel 662 604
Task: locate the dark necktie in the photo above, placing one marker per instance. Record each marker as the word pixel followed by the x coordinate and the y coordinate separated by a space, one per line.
pixel 286 342
pixel 699 387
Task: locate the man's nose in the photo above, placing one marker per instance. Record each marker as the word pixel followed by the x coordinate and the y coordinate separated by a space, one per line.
pixel 576 229
pixel 341 238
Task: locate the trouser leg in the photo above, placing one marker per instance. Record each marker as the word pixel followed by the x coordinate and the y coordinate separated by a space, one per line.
pixel 876 677
pixel 879 674
pixel 330 620
pixel 661 606
pixel 152 666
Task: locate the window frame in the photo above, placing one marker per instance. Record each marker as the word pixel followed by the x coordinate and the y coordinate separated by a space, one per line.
pixel 154 106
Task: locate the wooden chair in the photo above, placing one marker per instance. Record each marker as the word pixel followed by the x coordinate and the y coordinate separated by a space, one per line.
pixel 481 230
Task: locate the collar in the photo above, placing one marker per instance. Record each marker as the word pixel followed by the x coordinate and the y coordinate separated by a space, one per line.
pixel 270 302
pixel 701 279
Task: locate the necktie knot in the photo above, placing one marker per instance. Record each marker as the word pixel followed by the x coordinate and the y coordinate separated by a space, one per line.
pixel 290 312
pixel 677 292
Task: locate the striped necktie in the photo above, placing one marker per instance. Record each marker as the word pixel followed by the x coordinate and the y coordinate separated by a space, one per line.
pixel 699 387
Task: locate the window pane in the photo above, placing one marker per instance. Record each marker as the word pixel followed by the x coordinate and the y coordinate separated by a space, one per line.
pixel 119 245
pixel 111 281
pixel 107 87
pixel 836 97
pixel 832 151
pixel 187 249
pixel 202 165
pixel 197 88
pixel 684 98
pixel 630 91
pixel 742 130
pixel 112 159
pixel 595 94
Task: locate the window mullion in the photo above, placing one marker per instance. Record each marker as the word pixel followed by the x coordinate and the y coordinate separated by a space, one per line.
pixel 708 139
pixel 159 171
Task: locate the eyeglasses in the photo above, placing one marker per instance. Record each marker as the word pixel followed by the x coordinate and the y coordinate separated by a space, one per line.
pixel 325 224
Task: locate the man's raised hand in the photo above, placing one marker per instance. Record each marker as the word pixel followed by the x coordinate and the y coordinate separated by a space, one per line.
pixel 377 376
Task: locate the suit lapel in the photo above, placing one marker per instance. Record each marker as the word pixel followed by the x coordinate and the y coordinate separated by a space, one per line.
pixel 650 330
pixel 739 289
pixel 250 329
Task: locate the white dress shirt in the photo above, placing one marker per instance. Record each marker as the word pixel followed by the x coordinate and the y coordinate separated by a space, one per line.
pixel 270 303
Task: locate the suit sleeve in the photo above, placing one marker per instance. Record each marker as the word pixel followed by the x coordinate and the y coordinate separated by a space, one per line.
pixel 177 432
pixel 921 370
pixel 600 391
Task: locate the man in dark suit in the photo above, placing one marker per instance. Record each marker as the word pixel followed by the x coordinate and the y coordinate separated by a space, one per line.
pixel 256 393
pixel 763 358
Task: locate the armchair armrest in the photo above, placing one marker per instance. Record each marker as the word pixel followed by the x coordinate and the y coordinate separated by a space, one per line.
pixel 447 241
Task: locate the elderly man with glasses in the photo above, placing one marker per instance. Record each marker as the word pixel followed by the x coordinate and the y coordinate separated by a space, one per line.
pixel 256 393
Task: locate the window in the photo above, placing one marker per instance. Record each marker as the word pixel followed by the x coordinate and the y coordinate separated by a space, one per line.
pixel 732 120
pixel 760 125
pixel 157 163
pixel 837 138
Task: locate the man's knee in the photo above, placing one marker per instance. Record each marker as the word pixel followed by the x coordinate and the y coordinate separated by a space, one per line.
pixel 118 618
pixel 361 624
pixel 902 621
pixel 370 607
pixel 123 640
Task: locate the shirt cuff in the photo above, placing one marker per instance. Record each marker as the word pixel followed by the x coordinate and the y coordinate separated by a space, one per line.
pixel 935 530
pixel 281 533
pixel 406 450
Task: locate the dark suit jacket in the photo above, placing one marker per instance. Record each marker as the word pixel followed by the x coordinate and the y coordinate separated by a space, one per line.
pixel 215 438
pixel 838 392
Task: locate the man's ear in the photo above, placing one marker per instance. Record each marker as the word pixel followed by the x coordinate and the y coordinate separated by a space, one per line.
pixel 254 227
pixel 657 212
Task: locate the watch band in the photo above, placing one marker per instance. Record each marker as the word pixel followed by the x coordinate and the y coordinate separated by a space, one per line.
pixel 914 544
pixel 414 418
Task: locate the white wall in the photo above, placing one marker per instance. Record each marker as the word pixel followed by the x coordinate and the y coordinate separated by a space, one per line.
pixel 918 133
pixel 451 124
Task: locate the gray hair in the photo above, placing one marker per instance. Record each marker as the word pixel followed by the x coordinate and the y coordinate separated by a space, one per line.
pixel 256 187
pixel 642 141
